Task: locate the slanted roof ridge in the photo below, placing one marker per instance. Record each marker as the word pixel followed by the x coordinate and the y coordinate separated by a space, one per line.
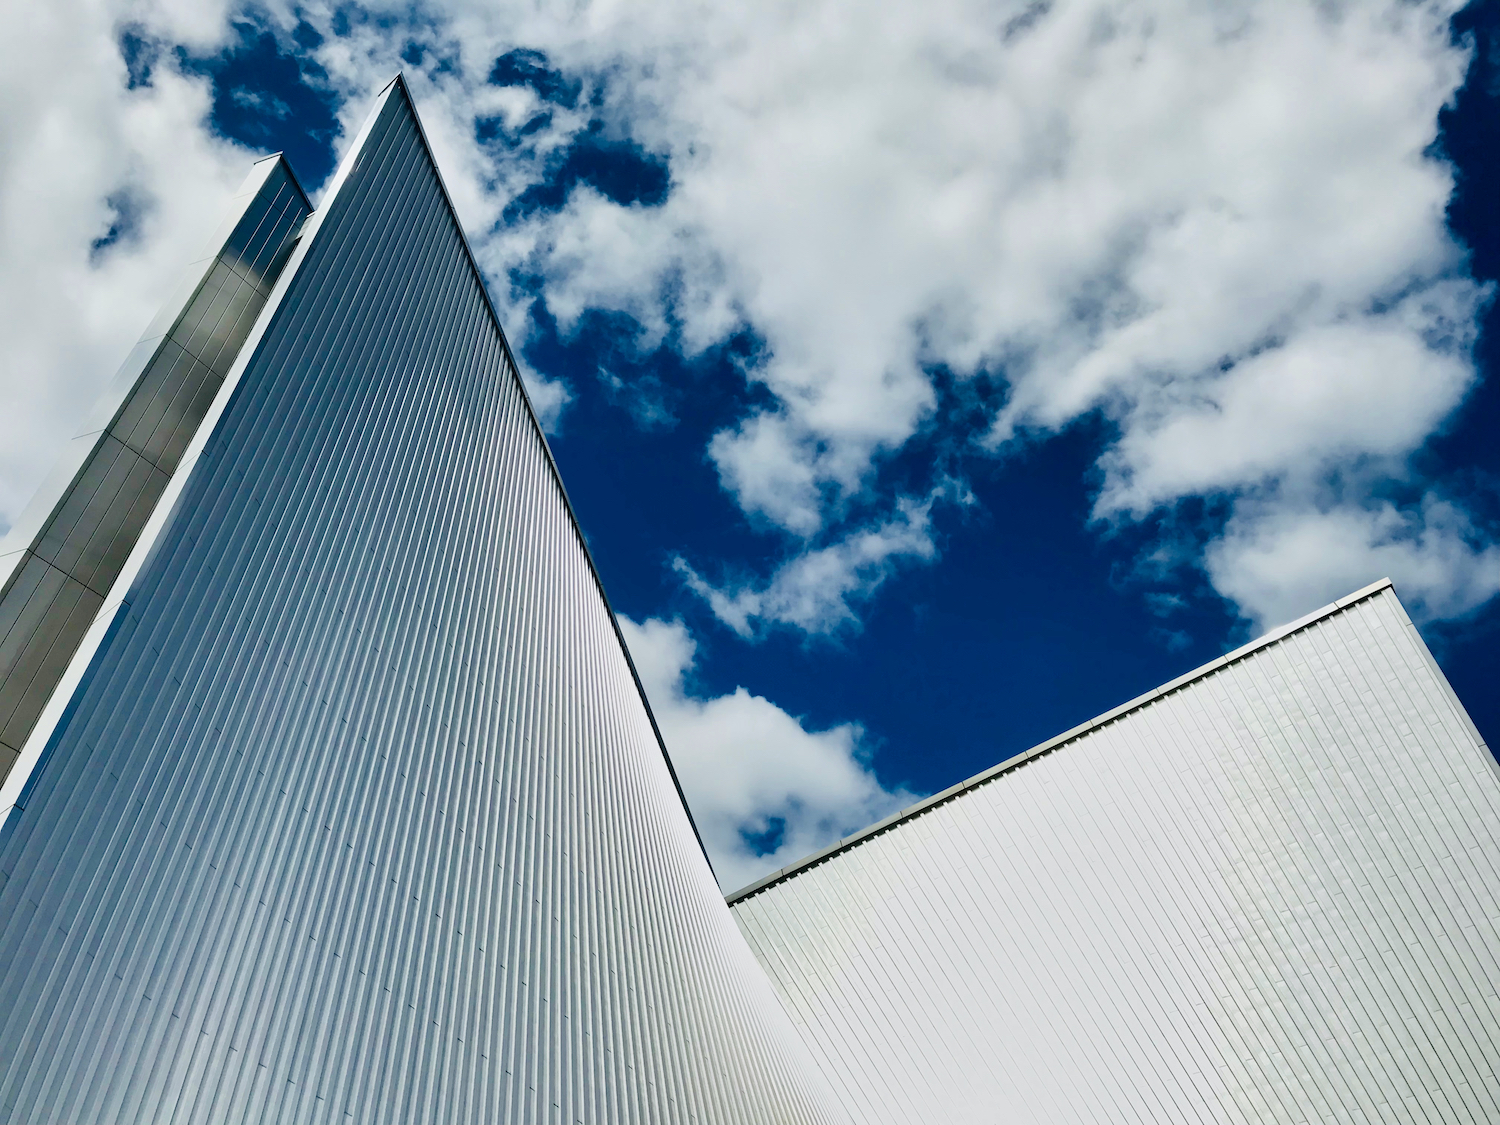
pixel 927 804
pixel 397 86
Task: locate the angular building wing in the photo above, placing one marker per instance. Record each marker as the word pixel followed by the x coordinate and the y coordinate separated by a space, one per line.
pixel 328 791
pixel 1266 892
pixel 61 564
pixel 337 797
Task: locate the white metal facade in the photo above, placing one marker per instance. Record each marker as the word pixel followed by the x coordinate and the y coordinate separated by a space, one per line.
pixel 356 812
pixel 1268 892
pixel 348 807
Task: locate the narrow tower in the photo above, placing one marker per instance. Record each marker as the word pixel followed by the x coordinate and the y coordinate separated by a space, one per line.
pixel 335 796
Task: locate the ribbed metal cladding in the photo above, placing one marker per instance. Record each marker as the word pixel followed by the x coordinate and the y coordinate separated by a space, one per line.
pixel 1271 894
pixel 359 813
pixel 67 550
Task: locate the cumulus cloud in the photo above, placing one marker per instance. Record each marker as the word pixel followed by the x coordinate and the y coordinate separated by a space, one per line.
pixel 1442 565
pixel 764 789
pixel 1216 224
pixel 106 193
pixel 1371 387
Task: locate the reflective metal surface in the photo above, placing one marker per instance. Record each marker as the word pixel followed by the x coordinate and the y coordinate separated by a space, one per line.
pixel 1270 893
pixel 359 813
pixel 67 550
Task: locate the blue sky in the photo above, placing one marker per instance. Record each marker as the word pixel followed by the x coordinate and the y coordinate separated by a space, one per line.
pixel 922 389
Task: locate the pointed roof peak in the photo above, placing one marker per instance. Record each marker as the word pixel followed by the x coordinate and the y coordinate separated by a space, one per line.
pixel 351 161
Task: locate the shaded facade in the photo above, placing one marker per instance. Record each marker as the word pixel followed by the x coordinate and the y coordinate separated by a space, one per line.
pixel 61 562
pixel 351 807
pixel 1266 892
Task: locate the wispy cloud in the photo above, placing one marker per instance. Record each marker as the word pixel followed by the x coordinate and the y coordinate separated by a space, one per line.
pixel 818 591
pixel 1218 226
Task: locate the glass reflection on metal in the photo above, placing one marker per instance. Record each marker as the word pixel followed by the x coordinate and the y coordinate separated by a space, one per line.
pixel 61 572
pixel 360 813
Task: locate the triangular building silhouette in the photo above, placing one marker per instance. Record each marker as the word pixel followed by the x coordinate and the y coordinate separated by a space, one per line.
pixel 352 807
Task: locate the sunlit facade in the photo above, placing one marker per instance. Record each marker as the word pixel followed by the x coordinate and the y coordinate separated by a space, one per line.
pixel 328 791
pixel 1268 891
pixel 346 804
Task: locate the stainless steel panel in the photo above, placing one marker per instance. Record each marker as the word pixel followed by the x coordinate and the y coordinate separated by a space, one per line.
pixel 122 388
pixel 160 383
pixel 179 407
pixel 37 587
pixel 95 513
pixel 103 556
pixel 67 619
pixel 109 488
pixel 265 248
pixel 258 246
pixel 196 328
pixel 229 331
pixel 180 424
pixel 360 813
pixel 27 578
pixel 87 504
pixel 33 651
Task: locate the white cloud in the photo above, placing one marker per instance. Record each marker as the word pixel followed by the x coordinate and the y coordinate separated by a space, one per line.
pixel 1280 560
pixel 549 397
pixel 1212 221
pixel 71 138
pixel 748 767
pixel 1367 387
pixel 813 590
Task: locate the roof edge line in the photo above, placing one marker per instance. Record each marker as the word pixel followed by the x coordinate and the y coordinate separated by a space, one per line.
pixel 1332 609
pixel 399 84
pixel 280 156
